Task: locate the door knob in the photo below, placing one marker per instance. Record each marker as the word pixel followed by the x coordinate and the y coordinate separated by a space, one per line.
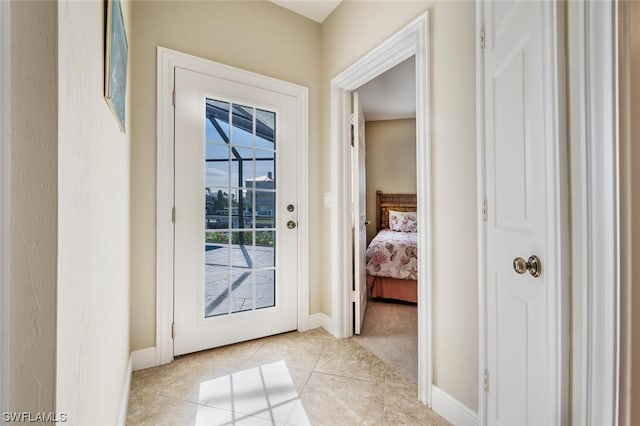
pixel 291 224
pixel 533 265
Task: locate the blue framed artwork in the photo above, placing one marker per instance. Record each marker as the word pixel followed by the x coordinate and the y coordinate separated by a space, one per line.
pixel 117 50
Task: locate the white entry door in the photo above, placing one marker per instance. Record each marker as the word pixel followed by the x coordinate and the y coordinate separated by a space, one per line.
pixel 235 224
pixel 358 167
pixel 523 321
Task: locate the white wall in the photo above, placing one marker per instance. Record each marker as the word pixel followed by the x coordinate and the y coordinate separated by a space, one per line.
pixel 34 235
pixel 93 223
pixel 390 155
pixel 349 33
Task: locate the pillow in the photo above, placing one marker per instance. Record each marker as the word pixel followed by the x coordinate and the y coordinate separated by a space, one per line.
pixel 403 221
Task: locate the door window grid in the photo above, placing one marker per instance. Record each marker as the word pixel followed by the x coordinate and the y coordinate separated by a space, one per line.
pixel 247 227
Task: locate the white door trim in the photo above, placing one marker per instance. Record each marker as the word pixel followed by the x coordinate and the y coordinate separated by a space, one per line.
pixel 558 258
pixel 413 39
pixel 596 358
pixel 5 197
pixel 167 61
pixel 481 191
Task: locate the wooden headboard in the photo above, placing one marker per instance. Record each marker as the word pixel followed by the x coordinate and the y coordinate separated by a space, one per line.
pixel 396 202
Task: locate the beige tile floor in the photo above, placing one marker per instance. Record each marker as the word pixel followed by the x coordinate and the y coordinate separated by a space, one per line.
pixel 289 379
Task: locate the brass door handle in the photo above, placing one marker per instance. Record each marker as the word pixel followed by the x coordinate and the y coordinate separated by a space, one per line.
pixel 291 224
pixel 533 265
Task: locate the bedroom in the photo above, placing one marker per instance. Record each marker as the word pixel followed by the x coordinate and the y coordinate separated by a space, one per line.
pixel 389 328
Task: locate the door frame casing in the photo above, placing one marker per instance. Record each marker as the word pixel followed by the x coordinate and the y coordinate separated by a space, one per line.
pixel 412 40
pixel 5 197
pixel 167 61
pixel 596 217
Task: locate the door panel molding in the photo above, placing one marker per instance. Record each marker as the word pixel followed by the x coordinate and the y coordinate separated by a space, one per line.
pixel 556 190
pixel 413 39
pixel 167 61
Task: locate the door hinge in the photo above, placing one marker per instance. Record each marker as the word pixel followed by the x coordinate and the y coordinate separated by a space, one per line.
pixel 173 214
pixel 173 330
pixel 353 129
pixel 353 296
pixel 173 97
pixel 484 210
pixel 483 38
pixel 486 380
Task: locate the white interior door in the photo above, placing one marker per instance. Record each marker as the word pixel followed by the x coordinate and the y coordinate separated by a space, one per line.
pixel 235 219
pixel 359 214
pixel 522 379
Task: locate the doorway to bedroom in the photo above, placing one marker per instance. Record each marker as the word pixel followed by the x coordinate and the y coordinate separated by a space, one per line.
pixel 412 41
pixel 384 183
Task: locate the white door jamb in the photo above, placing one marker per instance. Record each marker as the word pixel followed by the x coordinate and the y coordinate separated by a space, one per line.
pixel 596 357
pixel 481 194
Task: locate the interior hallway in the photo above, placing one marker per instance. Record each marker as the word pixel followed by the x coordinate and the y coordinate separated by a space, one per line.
pixel 288 379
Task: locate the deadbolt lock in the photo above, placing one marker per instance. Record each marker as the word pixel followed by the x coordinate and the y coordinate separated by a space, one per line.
pixel 533 265
pixel 290 208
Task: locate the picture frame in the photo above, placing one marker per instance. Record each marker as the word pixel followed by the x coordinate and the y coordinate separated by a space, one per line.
pixel 116 58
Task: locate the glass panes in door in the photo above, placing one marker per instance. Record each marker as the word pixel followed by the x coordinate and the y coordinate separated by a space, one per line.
pixel 240 208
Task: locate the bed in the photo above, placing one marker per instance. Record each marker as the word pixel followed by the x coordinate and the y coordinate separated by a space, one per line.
pixel 392 255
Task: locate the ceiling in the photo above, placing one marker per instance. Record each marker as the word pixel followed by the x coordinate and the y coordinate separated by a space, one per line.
pixel 318 10
pixel 391 95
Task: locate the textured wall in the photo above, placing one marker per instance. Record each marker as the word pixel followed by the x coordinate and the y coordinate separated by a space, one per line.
pixel 93 240
pixel 34 128
pixel 630 210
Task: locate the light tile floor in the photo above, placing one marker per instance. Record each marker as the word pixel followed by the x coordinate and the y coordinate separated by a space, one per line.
pixel 288 379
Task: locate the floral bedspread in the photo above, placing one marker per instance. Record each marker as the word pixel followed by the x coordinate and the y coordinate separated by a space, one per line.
pixel 393 254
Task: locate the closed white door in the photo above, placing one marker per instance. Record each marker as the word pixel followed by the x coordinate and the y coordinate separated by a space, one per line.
pixel 358 167
pixel 522 376
pixel 235 223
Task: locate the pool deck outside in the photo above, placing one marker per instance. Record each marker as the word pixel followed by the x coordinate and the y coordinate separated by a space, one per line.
pixel 249 273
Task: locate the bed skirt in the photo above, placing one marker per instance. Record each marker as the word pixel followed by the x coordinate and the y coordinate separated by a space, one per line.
pixel 393 288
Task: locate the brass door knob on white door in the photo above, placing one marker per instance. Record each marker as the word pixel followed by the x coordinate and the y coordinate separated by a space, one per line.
pixel 533 265
pixel 291 224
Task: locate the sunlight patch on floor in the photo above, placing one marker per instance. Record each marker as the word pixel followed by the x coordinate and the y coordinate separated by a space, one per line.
pixel 260 395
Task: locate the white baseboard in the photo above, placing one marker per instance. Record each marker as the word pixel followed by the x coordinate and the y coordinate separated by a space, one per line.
pixel 144 358
pixel 124 402
pixel 324 321
pixel 451 409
